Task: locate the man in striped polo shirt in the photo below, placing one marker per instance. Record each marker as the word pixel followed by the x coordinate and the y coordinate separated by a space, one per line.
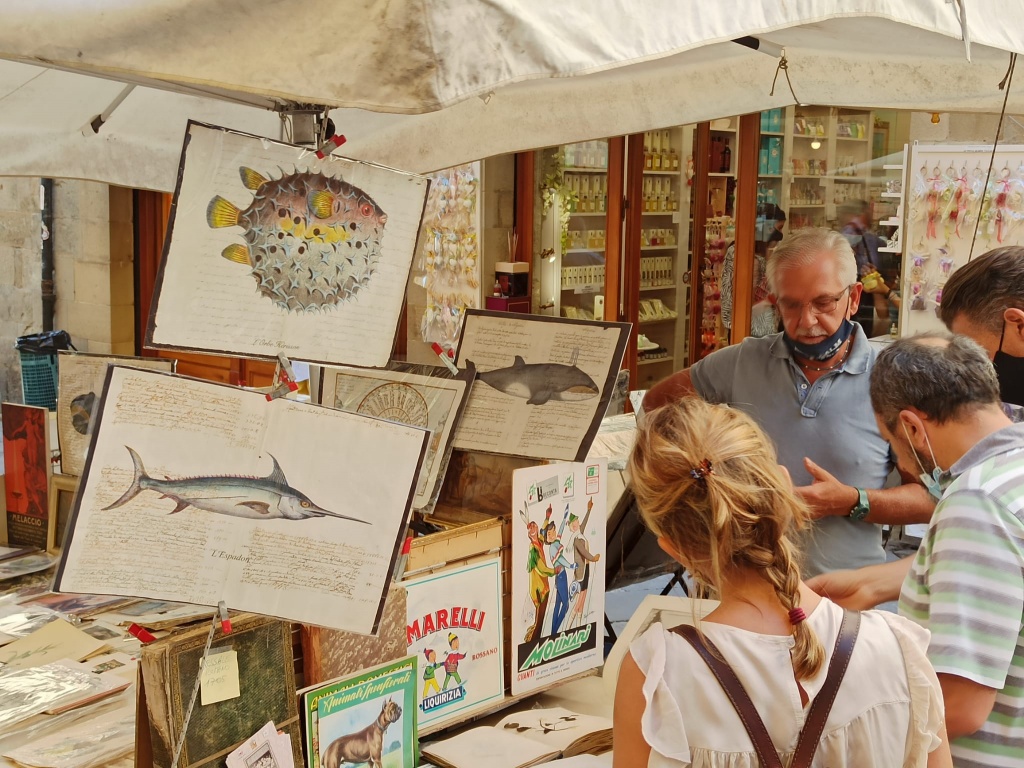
pixel 936 399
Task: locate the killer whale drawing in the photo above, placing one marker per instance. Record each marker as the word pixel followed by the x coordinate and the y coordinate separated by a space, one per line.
pixel 256 498
pixel 540 382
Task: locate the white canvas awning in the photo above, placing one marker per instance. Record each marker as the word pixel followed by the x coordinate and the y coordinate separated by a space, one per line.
pixel 425 85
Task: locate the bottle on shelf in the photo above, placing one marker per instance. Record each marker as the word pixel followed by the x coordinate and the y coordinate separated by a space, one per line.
pixel 656 150
pixel 666 160
pixel 726 158
pixel 648 160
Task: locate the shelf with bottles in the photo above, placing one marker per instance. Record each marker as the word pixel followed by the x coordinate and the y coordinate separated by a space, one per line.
pixel 660 156
pixel 585 240
pixel 586 156
pixel 660 195
pixel 590 193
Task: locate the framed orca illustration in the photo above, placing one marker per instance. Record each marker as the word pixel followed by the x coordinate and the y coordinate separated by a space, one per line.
pixel 543 383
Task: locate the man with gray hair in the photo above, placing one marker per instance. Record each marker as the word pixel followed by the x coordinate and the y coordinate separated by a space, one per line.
pixel 936 399
pixel 808 389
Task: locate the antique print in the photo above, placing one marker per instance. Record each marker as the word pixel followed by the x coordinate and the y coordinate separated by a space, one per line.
pixel 369 718
pixel 26 436
pixel 270 250
pixel 280 507
pixel 25 565
pixel 80 379
pixel 62 495
pixel 454 629
pixel 81 606
pixel 433 401
pixel 264 749
pixel 543 384
pixel 558 542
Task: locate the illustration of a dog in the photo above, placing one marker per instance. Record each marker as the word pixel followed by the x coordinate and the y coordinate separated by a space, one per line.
pixel 364 746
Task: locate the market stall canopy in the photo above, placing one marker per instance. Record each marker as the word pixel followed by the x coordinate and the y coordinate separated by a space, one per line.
pixel 425 85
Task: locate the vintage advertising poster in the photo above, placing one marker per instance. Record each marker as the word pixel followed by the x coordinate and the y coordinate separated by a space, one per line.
pixel 543 383
pixel 558 545
pixel 271 251
pixel 80 379
pixel 369 718
pixel 454 629
pixel 419 395
pixel 26 436
pixel 279 507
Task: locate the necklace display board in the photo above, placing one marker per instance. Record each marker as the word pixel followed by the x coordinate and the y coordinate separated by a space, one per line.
pixel 949 208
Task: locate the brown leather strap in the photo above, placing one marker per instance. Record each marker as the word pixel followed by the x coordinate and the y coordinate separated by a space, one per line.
pixel 810 735
pixel 752 722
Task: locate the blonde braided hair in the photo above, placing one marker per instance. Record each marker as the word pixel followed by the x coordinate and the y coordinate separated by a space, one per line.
pixel 706 478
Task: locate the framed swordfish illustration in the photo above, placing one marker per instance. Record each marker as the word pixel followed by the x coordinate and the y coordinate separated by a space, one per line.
pixel 543 383
pixel 270 250
pixel 199 492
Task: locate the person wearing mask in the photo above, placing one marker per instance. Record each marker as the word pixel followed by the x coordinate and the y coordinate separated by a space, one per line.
pixel 709 486
pixel 936 398
pixel 984 299
pixel 873 314
pixel 807 387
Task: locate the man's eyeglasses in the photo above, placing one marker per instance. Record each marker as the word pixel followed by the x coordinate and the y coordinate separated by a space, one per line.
pixel 822 305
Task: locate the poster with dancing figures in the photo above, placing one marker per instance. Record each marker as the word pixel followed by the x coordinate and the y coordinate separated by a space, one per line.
pixel 270 250
pixel 558 545
pixel 454 629
pixel 543 383
pixel 80 378
pixel 200 492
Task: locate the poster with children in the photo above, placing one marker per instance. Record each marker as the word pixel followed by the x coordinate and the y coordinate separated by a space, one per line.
pixel 558 541
pixel 454 628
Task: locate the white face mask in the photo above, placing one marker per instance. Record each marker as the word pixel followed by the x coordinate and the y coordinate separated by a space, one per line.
pixel 934 481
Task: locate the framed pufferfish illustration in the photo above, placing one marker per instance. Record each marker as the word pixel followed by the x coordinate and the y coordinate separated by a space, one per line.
pixel 270 251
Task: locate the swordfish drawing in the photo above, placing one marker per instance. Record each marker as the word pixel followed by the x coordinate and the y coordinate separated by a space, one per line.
pixel 540 382
pixel 256 498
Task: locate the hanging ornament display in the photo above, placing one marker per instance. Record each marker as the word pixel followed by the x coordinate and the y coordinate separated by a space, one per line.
pixel 448 259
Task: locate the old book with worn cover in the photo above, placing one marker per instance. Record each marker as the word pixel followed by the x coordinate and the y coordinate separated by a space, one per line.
pixel 266 674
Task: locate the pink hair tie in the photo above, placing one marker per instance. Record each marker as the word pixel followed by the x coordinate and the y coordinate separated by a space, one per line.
pixel 796 616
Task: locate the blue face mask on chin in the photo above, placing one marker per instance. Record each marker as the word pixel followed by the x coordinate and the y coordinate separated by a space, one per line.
pixel 934 481
pixel 823 350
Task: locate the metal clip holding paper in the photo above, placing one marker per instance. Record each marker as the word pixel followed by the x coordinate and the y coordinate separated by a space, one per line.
pixel 329 146
pixel 285 378
pixel 439 351
pixel 225 619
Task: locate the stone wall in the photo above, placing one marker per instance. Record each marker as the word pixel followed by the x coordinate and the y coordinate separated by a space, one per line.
pixel 21 308
pixel 94 270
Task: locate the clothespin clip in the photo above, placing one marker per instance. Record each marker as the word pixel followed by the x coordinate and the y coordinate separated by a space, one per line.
pixel 285 377
pixel 225 620
pixel 445 358
pixel 329 146
pixel 141 634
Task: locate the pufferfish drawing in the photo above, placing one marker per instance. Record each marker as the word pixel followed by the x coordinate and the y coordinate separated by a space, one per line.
pixel 311 241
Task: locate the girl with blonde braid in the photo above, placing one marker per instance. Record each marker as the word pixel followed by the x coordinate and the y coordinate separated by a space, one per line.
pixel 708 485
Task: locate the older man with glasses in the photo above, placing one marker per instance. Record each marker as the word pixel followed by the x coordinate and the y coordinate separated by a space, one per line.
pixel 808 387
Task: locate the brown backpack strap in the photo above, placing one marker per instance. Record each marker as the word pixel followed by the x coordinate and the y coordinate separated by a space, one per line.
pixel 752 722
pixel 814 726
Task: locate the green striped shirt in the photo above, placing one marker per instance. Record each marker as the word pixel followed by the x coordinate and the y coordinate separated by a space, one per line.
pixel 967 587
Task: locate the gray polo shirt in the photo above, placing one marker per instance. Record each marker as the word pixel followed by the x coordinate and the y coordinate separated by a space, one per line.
pixel 829 422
